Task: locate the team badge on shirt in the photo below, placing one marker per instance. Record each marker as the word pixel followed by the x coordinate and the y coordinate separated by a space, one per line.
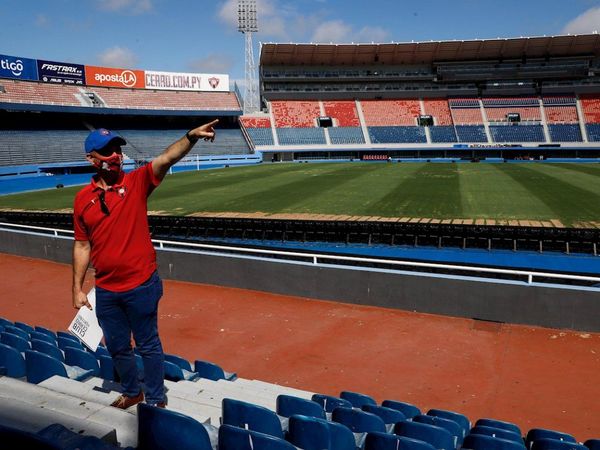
pixel 122 191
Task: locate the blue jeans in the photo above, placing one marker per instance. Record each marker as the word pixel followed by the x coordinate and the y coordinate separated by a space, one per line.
pixel 135 311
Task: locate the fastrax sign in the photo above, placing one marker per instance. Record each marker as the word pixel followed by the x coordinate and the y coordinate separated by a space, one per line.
pixel 59 72
pixel 17 67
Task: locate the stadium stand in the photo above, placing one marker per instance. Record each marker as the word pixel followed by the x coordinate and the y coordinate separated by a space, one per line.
pixel 470 133
pixel 301 136
pixel 439 109
pixel 517 133
pixel 258 129
pixel 466 115
pixel 440 134
pixel 343 113
pixel 295 114
pixel 386 113
pixel 41 93
pixel 397 134
pixel 590 104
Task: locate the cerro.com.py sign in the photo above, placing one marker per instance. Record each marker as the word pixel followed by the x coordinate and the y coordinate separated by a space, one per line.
pixel 111 77
pixel 17 67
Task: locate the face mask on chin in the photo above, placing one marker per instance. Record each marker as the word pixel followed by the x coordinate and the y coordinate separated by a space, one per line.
pixel 109 167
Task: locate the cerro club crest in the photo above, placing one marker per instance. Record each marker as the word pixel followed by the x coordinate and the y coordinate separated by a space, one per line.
pixel 214 82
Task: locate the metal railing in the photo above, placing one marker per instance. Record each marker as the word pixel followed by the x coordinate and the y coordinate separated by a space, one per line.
pixel 329 260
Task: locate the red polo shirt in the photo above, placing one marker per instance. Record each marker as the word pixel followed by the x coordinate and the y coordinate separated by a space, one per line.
pixel 121 250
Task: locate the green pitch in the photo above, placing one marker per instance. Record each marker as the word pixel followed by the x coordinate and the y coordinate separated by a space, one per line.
pixel 567 192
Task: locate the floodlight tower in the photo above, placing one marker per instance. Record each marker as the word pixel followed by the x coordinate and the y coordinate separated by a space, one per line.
pixel 247 25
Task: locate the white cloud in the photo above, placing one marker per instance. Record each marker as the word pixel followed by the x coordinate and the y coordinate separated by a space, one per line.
pixel 372 34
pixel 41 20
pixel 212 63
pixel 118 57
pixel 588 22
pixel 129 6
pixel 332 31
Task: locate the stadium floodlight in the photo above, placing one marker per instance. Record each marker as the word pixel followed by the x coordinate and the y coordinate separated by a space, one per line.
pixel 248 24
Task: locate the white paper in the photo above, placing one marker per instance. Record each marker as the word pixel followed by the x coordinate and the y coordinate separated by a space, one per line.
pixel 85 324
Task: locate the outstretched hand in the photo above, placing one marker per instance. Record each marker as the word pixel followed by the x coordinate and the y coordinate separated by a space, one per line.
pixel 206 131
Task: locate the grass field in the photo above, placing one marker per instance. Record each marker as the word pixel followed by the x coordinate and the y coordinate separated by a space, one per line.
pixel 567 192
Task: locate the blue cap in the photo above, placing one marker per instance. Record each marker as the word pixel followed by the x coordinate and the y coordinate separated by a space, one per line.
pixel 100 138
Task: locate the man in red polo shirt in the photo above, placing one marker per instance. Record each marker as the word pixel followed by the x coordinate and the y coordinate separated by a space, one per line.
pixel 111 230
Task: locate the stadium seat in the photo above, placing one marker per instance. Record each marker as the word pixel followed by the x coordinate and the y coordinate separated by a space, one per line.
pixel 48 349
pixel 541 433
pixel 161 429
pixel 250 416
pixel 212 371
pixel 107 368
pixel 83 359
pixel 25 327
pixel 498 424
pixel 357 399
pixel 14 341
pixel 450 425
pixel 46 331
pixel 310 433
pixel 66 335
pixel 555 444
pixel 175 373
pixel 359 422
pixel 346 135
pixel 40 367
pixel 389 416
pixel 42 337
pixel 462 420
pixel 17 332
pixel 66 439
pixel 407 409
pixel 179 361
pixel 288 405
pixel 482 442
pixel 101 351
pixel 329 402
pixel 385 441
pixel 434 435
pixel 442 134
pixel 592 444
pixel 5 322
pixel 13 362
pixel 14 438
pixel 235 438
pixel 64 342
pixel 498 433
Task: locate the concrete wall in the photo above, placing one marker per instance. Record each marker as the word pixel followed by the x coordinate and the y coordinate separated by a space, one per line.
pixel 496 301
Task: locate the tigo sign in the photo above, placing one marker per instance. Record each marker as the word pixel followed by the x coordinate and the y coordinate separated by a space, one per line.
pixel 16 67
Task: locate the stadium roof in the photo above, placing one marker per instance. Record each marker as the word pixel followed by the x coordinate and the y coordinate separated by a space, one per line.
pixel 428 52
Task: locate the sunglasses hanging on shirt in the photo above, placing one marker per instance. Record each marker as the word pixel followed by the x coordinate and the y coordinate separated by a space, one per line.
pixel 103 205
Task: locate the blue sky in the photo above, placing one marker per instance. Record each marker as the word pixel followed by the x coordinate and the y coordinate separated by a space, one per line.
pixel 202 36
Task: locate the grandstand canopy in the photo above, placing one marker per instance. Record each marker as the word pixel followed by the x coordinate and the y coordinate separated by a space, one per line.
pixel 429 52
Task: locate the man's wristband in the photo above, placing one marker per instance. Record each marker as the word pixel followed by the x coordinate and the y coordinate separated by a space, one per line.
pixel 191 138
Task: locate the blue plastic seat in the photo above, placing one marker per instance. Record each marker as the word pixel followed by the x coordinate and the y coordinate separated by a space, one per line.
pixel 66 335
pixel 482 442
pixel 434 435
pixel 46 331
pixel 408 409
pixel 212 371
pixel 541 433
pixel 5 322
pixel 83 359
pixel 235 438
pixel 310 433
pixel 385 441
pixel 498 433
pixel 15 438
pixel 179 361
pixel 388 415
pixel 17 332
pixel 64 342
pixel 175 373
pixel 14 341
pixel 101 351
pixel 499 424
pixel 357 399
pixel 288 405
pixel 252 417
pixel 358 421
pixel 555 444
pixel 12 360
pixel 25 327
pixel 48 349
pixel 107 367
pixel 462 420
pixel 161 429
pixel 592 444
pixel 40 367
pixel 450 425
pixel 42 337
pixel 329 402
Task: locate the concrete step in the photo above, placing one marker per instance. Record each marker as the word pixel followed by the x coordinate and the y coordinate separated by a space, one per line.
pixel 124 423
pixel 31 418
pixel 272 387
pixel 179 403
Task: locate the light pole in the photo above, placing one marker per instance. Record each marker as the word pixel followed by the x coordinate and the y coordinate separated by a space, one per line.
pixel 247 24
